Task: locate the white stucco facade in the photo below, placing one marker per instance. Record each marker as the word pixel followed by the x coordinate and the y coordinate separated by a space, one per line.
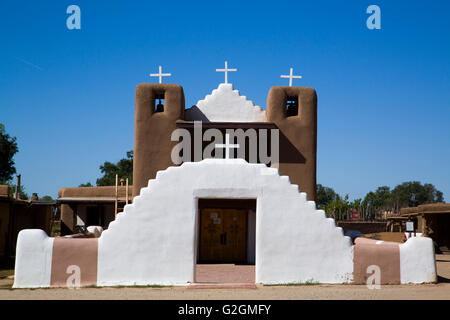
pixel 225 104
pixel 154 240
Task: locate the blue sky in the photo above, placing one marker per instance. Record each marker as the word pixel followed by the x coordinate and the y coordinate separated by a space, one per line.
pixel 383 95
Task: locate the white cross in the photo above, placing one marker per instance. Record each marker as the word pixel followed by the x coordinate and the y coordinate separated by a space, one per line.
pixel 291 76
pixel 227 146
pixel 160 74
pixel 226 70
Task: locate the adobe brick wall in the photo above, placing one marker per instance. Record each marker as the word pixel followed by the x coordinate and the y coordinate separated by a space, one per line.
pixel 300 130
pixel 362 226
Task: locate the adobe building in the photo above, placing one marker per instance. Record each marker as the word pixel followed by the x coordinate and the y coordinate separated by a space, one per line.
pixel 17 214
pixel 90 206
pixel 222 182
pixel 433 221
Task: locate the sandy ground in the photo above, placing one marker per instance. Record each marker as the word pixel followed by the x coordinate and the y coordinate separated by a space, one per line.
pixel 348 292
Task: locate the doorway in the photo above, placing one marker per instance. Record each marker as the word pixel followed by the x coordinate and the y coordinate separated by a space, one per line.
pixel 226 241
pixel 227 229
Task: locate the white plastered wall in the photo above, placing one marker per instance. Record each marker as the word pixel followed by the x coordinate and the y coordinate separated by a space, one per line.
pixel 417 261
pixel 225 104
pixel 33 259
pixel 154 240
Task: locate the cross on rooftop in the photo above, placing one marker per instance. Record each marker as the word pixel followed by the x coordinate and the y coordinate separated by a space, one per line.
pixel 226 70
pixel 160 74
pixel 227 146
pixel 291 76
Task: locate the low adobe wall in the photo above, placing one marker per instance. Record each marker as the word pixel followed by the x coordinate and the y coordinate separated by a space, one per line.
pixel 410 262
pixel 49 262
pixel 362 226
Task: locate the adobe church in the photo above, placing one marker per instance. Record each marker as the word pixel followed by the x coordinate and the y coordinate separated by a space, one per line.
pixel 223 181
pixel 160 111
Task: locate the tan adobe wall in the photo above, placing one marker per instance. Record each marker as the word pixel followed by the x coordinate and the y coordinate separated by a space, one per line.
pixel 4 190
pixel 94 192
pixel 300 130
pixel 152 130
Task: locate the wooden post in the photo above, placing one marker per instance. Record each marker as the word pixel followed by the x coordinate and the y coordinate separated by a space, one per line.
pixel 117 194
pixel 18 187
pixel 424 226
pixel 126 192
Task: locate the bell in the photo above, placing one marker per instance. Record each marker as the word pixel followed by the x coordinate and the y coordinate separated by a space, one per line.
pixel 292 108
pixel 159 107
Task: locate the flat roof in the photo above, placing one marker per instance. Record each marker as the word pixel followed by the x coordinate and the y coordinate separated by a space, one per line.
pixel 89 200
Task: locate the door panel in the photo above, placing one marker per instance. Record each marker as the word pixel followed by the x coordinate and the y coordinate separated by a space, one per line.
pixel 210 235
pixel 235 229
pixel 223 235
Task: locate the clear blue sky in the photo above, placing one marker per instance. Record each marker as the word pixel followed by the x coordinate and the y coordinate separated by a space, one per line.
pixel 383 95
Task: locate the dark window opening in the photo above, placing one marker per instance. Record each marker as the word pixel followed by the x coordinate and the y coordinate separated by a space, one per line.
pixel 159 102
pixel 291 106
pixel 95 217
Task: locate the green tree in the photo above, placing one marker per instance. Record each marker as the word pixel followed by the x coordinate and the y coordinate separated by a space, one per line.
pixel 325 195
pixel 123 168
pixel 339 208
pixel 406 194
pixel 8 148
pixel 413 193
pixel 439 196
pixel 86 185
pixel 12 192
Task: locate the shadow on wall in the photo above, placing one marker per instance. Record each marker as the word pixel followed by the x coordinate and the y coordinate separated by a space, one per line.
pixel 194 113
pixel 288 152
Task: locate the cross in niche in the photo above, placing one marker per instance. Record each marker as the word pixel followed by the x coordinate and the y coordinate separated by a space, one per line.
pixel 291 76
pixel 160 74
pixel 227 146
pixel 226 70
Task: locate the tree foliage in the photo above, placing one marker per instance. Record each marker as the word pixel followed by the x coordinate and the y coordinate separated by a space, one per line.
pixel 325 195
pixel 407 194
pixel 123 168
pixel 23 194
pixel 88 184
pixel 8 148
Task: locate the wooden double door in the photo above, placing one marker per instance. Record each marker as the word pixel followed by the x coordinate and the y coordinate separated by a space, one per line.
pixel 223 235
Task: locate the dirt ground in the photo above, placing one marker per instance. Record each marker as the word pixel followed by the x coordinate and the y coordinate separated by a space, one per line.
pixel 347 292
